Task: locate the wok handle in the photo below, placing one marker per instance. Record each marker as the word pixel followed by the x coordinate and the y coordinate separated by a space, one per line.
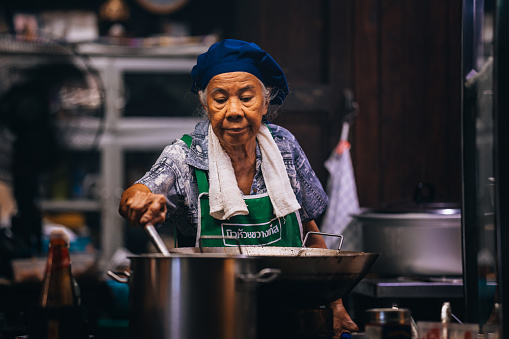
pixel 264 276
pixel 118 278
pixel 326 234
pixel 219 237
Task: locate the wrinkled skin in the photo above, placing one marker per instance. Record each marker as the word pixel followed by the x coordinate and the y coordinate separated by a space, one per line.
pixel 342 320
pixel 140 206
pixel 235 106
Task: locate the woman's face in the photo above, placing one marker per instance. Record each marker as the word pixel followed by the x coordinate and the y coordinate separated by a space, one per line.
pixel 235 106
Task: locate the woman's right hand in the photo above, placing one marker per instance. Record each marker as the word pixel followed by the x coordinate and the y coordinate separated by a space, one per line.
pixel 140 206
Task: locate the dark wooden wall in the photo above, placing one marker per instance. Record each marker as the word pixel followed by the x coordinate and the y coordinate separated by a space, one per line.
pixel 402 60
pixel 407 78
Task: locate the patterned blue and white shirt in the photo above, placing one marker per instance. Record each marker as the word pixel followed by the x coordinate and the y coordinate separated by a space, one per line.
pixel 173 176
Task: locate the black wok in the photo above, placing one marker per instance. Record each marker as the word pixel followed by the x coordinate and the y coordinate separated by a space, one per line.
pixel 309 276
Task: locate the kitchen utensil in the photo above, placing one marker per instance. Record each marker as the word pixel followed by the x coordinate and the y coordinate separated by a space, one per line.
pixel 193 297
pixel 309 276
pixel 385 323
pixel 156 239
pixel 419 239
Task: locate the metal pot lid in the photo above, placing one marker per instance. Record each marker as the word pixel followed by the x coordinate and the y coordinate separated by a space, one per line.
pixel 429 213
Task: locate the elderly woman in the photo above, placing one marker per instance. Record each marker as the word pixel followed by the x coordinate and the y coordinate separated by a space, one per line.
pixel 236 166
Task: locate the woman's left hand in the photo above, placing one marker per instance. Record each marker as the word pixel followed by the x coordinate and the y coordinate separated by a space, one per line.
pixel 342 320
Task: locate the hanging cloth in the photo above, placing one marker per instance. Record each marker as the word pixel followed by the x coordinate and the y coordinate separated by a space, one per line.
pixel 343 200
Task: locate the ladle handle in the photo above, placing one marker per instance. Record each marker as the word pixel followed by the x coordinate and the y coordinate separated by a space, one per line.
pixel 156 239
pixel 326 234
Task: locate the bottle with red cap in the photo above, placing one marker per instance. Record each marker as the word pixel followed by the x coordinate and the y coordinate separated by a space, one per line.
pixel 58 289
pixel 58 315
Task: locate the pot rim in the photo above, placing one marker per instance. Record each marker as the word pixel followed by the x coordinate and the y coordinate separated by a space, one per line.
pixel 433 208
pixel 280 252
pixel 406 216
pixel 176 255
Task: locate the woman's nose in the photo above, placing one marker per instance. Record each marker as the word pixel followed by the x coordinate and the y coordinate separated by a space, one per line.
pixel 234 109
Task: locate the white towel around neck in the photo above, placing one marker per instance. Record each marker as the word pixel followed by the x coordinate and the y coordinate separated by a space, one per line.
pixel 225 197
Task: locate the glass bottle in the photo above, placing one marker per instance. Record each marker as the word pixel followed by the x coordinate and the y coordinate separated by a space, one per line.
pixel 59 299
pixel 445 319
pixel 58 284
pixel 492 327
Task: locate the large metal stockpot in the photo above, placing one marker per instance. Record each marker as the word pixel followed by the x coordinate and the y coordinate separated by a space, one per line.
pixel 423 240
pixel 193 297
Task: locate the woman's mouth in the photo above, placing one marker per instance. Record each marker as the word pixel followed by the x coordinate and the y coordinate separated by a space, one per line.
pixel 236 130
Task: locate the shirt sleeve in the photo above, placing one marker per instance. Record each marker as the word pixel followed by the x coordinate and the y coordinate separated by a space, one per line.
pixel 314 199
pixel 172 177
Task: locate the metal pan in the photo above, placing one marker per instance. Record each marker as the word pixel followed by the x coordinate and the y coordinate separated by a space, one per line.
pixel 309 276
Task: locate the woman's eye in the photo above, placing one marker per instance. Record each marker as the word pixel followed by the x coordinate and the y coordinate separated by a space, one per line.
pixel 246 99
pixel 220 100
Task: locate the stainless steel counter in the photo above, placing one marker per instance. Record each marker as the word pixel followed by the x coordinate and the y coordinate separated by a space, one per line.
pixel 410 288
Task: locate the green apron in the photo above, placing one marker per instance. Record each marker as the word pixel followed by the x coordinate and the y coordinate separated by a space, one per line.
pixel 258 228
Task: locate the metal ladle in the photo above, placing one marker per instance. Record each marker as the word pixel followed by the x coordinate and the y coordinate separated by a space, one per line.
pixel 156 239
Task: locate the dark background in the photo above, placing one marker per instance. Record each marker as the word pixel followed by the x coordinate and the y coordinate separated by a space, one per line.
pixel 402 61
pixel 400 58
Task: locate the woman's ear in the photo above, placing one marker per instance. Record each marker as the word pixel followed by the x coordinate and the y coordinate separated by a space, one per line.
pixel 203 100
pixel 266 108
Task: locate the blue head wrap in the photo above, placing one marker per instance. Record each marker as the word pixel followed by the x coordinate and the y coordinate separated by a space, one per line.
pixel 239 56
